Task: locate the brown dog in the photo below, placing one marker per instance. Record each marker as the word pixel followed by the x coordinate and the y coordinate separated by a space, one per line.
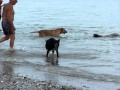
pixel 53 32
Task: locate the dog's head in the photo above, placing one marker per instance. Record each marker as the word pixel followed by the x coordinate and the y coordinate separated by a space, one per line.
pixel 56 44
pixel 63 30
pixel 96 35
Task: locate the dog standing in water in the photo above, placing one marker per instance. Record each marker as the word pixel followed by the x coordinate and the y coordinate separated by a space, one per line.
pixel 52 32
pixel 111 35
pixel 52 44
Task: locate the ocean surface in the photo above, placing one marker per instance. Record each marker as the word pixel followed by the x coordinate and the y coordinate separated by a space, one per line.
pixel 83 59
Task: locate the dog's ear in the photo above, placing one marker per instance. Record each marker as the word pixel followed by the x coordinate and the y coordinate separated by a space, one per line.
pixel 63 29
pixel 58 40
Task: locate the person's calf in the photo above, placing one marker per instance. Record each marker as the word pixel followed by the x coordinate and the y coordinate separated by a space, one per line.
pixel 4 39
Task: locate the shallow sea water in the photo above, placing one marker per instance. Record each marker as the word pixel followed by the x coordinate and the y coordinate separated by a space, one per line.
pixel 83 59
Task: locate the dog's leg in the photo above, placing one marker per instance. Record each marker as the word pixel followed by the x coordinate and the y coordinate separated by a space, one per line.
pixel 47 53
pixel 39 35
pixel 52 51
pixel 57 53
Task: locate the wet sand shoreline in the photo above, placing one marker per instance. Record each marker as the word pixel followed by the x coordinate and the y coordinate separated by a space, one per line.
pixel 16 82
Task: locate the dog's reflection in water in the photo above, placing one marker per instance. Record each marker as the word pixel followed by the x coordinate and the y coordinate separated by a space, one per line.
pixel 52 59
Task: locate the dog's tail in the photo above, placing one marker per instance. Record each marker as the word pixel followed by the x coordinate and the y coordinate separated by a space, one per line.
pixel 35 32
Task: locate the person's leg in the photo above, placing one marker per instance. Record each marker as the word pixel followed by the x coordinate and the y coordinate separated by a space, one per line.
pixel 4 38
pixel 12 39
